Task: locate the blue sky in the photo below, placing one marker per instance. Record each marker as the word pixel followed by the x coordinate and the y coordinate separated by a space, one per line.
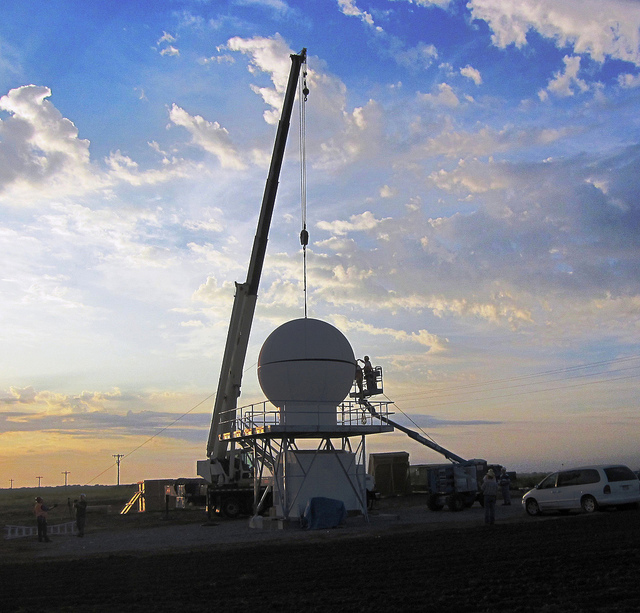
pixel 473 175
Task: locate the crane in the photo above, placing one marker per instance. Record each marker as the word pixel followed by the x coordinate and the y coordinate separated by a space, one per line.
pixel 223 469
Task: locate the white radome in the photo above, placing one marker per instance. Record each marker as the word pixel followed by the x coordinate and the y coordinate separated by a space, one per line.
pixel 306 369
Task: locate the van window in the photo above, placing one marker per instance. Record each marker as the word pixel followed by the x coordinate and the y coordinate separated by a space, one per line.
pixel 578 477
pixel 548 482
pixel 620 473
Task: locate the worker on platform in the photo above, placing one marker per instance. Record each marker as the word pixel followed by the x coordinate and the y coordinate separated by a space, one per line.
pixel 369 375
pixel 41 511
pixel 504 481
pixel 359 380
pixel 490 490
pixel 81 513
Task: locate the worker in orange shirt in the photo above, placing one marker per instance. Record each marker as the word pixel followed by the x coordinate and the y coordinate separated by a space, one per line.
pixel 41 511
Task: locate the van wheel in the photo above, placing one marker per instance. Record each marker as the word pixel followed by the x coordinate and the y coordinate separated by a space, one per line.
pixel 532 507
pixel 589 504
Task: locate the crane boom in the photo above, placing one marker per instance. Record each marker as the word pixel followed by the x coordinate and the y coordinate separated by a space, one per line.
pixel 247 293
pixel 414 435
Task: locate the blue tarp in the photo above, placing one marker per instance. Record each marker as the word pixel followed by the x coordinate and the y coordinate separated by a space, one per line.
pixel 323 513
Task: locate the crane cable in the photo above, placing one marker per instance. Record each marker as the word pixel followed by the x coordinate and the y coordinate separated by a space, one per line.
pixel 304 234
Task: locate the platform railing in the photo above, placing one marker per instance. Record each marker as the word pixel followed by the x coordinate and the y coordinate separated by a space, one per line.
pixel 264 414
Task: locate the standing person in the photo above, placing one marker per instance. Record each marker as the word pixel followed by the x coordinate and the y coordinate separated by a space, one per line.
pixel 490 491
pixel 505 486
pixel 41 511
pixel 359 380
pixel 369 376
pixel 81 513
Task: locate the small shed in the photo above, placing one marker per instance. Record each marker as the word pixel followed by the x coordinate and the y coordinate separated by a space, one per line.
pixel 154 495
pixel 390 472
pixel 156 492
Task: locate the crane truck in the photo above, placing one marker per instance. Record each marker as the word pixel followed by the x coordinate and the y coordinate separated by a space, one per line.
pixel 456 485
pixel 227 469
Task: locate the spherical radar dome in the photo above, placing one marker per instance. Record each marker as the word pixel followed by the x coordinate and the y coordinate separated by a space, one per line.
pixel 306 361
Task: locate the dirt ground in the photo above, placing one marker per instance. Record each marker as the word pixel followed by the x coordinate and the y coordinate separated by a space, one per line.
pixel 405 558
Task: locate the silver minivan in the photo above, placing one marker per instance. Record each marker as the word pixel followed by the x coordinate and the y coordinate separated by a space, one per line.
pixel 587 487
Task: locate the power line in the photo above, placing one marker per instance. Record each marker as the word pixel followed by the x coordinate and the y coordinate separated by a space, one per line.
pixel 524 377
pixel 509 387
pixel 491 382
pixel 126 455
pixel 548 389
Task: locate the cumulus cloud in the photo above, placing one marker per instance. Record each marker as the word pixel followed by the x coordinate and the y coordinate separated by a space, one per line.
pixel 212 223
pixel 564 84
pixel 167 48
pixel 524 237
pixel 279 6
pixel 57 403
pixel 341 135
pixel 487 141
pixel 349 8
pixel 170 51
pixel 423 338
pixel 421 56
pixel 597 28
pixel 361 136
pixel 363 222
pixel 166 38
pixel 38 146
pixel 42 157
pixel 211 136
pixel 629 81
pixel 270 55
pixel 444 97
pixel 212 293
pixel 472 73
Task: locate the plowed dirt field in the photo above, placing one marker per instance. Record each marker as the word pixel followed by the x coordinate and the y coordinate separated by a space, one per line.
pixel 557 564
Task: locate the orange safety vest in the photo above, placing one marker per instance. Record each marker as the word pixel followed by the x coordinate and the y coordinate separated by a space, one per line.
pixel 39 511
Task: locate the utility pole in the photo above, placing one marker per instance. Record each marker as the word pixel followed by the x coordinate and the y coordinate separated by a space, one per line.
pixel 39 479
pixel 65 473
pixel 11 481
pixel 117 456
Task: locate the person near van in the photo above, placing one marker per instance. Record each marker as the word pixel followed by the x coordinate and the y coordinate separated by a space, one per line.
pixel 81 513
pixel 504 482
pixel 41 511
pixel 490 490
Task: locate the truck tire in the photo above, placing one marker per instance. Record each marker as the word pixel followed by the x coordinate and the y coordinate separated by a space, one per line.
pixel 434 503
pixel 455 502
pixel 469 500
pixel 230 506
